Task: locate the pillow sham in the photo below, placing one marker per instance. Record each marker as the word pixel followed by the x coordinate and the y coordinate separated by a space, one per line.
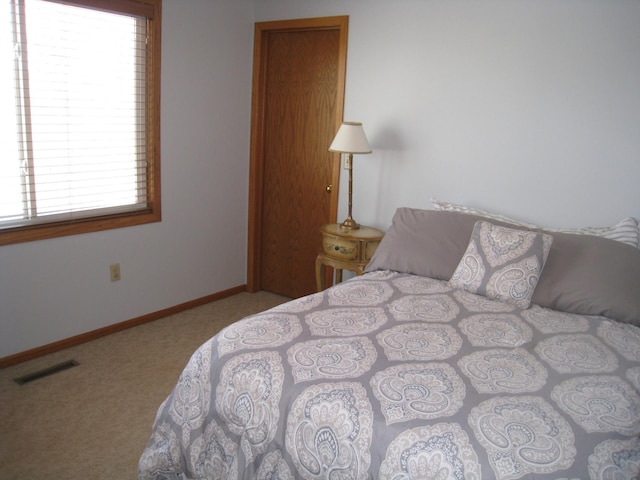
pixel 583 274
pixel 591 276
pixel 423 242
pixel 502 263
pixel 454 207
pixel 625 231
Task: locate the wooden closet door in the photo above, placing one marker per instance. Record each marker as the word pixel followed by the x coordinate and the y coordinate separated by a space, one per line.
pixel 301 87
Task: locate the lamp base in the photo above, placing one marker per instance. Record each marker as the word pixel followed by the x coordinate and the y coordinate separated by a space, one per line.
pixel 349 224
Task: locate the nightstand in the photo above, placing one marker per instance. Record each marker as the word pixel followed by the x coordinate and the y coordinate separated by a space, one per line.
pixel 345 249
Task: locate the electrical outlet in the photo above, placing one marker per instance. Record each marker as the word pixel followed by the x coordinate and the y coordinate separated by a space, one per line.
pixel 347 161
pixel 114 270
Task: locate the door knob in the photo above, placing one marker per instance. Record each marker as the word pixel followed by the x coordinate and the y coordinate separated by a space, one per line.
pixel 329 188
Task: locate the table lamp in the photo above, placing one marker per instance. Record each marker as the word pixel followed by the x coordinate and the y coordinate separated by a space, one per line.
pixel 350 139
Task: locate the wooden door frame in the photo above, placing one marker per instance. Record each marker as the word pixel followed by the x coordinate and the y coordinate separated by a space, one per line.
pixel 258 105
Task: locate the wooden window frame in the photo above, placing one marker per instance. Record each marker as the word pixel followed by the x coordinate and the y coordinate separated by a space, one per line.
pixel 151 9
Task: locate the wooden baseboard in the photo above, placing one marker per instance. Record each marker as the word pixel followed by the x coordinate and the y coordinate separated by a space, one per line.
pixel 117 327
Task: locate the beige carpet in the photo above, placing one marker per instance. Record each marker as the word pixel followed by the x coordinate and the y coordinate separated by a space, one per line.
pixel 94 420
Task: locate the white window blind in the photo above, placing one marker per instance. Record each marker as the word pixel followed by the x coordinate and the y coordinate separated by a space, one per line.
pixel 73 135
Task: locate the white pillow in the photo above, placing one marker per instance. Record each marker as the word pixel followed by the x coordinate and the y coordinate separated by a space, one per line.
pixel 625 231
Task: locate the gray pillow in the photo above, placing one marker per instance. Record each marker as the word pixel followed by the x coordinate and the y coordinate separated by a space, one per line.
pixel 423 242
pixel 591 276
pixel 583 274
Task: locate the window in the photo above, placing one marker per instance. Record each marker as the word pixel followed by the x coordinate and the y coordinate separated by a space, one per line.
pixel 79 116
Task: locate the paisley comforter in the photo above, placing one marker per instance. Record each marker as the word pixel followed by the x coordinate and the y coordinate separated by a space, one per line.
pixel 396 376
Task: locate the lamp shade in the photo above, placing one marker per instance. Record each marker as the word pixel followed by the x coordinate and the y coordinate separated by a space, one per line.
pixel 350 139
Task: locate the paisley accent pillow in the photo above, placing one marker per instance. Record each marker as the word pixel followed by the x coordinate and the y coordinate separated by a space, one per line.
pixel 502 263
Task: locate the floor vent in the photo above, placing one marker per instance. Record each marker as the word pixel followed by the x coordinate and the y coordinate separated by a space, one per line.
pixel 46 372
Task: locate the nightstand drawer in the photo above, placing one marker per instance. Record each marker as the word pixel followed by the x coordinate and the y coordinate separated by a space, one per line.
pixel 340 248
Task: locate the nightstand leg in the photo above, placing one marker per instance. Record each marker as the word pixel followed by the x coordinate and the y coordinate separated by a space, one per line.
pixel 338 275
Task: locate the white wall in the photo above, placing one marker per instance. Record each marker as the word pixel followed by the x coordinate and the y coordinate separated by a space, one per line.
pixel 55 289
pixel 527 107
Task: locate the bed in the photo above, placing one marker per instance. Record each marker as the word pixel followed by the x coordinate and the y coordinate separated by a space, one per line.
pixel 471 348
